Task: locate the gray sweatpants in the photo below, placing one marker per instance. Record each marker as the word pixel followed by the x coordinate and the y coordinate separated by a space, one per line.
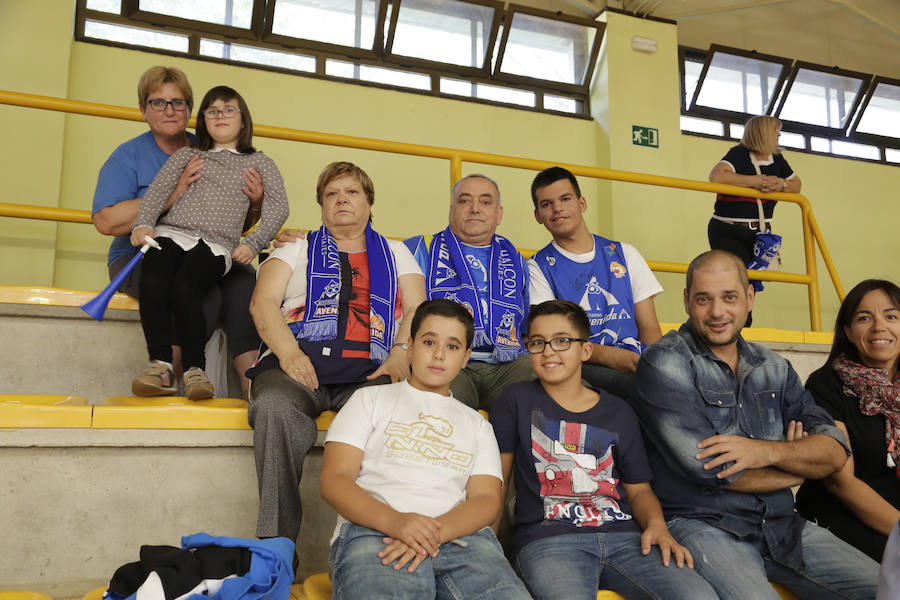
pixel 282 414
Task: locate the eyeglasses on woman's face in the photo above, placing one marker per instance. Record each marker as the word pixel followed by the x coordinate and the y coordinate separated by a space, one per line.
pixel 559 344
pixel 160 104
pixel 229 112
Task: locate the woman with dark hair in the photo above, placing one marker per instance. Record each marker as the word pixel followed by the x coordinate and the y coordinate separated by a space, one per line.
pixel 860 387
pixel 200 236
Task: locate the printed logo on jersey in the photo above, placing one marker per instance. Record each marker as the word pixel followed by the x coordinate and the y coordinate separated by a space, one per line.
pixel 551 260
pixel 574 464
pixel 506 331
pixel 376 326
pixel 327 304
pixel 611 249
pixel 426 441
pixel 617 269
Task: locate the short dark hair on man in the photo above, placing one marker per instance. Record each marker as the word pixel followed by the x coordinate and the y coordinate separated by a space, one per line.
pixel 245 137
pixel 551 176
pixel 841 346
pixel 574 313
pixel 441 307
pixel 711 255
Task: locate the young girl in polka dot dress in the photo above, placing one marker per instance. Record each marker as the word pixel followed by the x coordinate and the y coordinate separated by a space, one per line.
pixel 200 236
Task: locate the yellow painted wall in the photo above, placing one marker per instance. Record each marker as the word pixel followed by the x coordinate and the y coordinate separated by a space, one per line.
pixel 55 158
pixel 31 153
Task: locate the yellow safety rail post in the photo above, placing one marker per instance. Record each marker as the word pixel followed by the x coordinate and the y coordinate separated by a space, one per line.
pixel 812 235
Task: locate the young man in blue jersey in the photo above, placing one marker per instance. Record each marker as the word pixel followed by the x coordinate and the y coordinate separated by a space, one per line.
pixel 610 280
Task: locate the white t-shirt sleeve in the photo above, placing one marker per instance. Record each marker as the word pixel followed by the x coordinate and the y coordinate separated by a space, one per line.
pixel 406 262
pixel 295 255
pixel 353 423
pixel 487 454
pixel 538 287
pixel 643 282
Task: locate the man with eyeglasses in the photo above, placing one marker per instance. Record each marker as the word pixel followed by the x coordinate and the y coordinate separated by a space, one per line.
pixel 609 280
pixel 470 264
pixel 165 100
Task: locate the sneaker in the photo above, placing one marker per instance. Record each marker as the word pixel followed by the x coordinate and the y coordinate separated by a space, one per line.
pixel 197 385
pixel 156 380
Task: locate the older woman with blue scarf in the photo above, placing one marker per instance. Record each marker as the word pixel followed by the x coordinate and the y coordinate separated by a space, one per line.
pixel 333 311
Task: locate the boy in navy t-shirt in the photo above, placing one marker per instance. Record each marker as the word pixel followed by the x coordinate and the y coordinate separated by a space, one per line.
pixel 585 516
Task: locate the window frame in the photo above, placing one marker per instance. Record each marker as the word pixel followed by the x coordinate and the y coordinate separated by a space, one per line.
pixel 131 10
pixel 446 68
pixel 318 47
pixel 872 138
pixel 822 130
pixel 569 88
pixel 720 113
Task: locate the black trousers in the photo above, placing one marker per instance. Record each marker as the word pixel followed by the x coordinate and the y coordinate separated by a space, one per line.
pixel 737 239
pixel 172 287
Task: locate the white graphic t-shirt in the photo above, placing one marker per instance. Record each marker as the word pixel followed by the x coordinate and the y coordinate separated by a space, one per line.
pixel 419 448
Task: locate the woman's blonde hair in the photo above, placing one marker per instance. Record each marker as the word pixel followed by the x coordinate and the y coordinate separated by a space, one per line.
pixel 155 77
pixel 339 169
pixel 760 135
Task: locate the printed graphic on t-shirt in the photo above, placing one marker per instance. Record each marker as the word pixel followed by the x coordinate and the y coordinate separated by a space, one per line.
pixel 574 464
pixel 426 440
pixel 604 310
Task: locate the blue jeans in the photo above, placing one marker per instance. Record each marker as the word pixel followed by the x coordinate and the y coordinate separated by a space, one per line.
pixel 574 566
pixel 472 567
pixel 742 569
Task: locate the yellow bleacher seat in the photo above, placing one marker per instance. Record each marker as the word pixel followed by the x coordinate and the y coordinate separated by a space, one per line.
pixel 42 410
pixel 317 587
pixel 297 592
pixel 95 594
pixel 14 294
pixel 170 412
pixel 22 595
pixel 325 419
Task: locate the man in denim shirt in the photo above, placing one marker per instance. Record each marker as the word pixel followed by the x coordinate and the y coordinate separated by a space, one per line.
pixel 730 430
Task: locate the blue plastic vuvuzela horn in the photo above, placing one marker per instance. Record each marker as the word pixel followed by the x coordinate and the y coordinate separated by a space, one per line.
pixel 97 306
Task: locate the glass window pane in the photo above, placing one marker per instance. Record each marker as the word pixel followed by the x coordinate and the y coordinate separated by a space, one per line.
pixel 343 22
pixel 504 94
pixel 707 126
pixel 736 131
pixel 820 98
pixel 560 103
pixel 339 68
pixel 856 150
pixel 135 36
pixel 791 140
pixel 236 13
pixel 818 144
pixel 259 56
pixel 739 84
pixel 446 31
pixel 882 115
pixel 110 6
pixel 546 49
pixel 691 75
pixel 892 155
pixel 457 87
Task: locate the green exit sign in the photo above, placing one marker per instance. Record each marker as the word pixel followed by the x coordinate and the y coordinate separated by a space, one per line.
pixel 644 136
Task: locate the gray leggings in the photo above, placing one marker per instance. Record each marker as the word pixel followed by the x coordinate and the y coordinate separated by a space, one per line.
pixel 282 414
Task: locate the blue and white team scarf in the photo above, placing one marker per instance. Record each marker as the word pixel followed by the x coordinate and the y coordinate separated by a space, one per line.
pixel 448 277
pixel 323 290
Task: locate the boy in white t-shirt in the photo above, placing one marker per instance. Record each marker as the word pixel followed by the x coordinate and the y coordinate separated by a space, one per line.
pixel 414 476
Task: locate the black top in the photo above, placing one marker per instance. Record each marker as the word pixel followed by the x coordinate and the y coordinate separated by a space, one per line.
pixel 739 207
pixel 866 441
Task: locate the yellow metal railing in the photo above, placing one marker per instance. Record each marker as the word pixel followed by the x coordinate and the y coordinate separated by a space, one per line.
pixel 812 235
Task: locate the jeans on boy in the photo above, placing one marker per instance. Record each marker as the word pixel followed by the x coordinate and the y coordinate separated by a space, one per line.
pixel 574 566
pixel 471 567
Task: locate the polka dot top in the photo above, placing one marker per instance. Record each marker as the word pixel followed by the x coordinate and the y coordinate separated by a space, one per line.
pixel 213 208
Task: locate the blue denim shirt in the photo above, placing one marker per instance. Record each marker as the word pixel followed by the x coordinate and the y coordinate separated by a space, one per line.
pixel 687 394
